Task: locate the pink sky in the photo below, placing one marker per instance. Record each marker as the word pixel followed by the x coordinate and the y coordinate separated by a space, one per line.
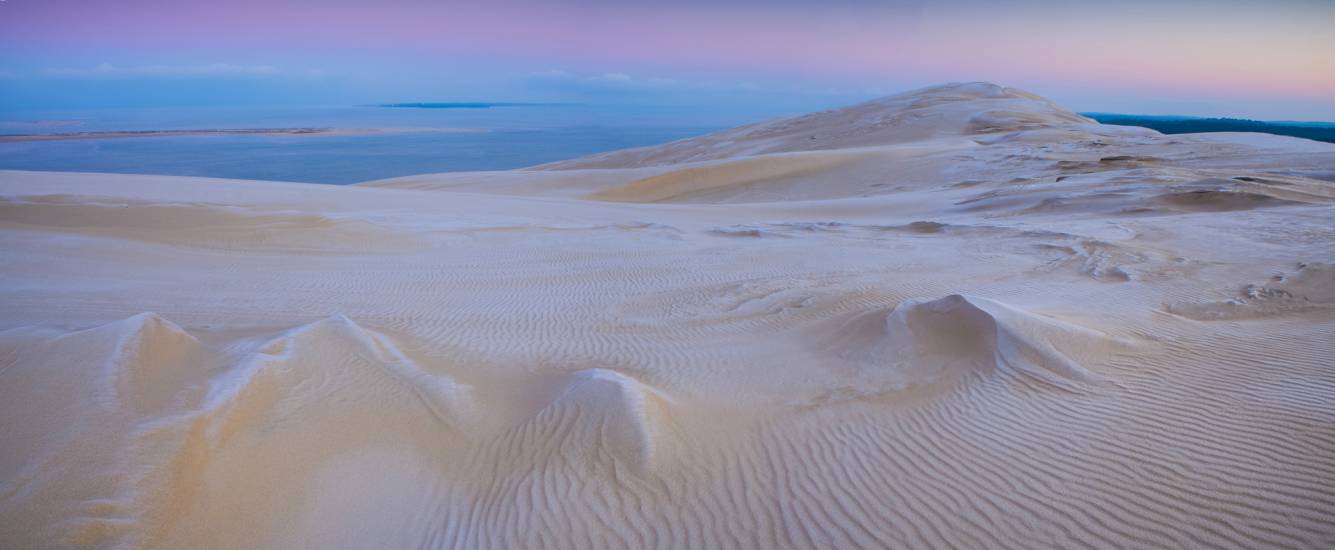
pixel 1236 53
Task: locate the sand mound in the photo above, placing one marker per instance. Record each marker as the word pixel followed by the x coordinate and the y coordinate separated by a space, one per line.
pixel 939 343
pixel 175 419
pixel 143 371
pixel 296 367
pixel 600 417
pixel 71 404
pixel 290 404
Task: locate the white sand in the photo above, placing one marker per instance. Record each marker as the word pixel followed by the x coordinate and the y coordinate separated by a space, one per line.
pixel 884 326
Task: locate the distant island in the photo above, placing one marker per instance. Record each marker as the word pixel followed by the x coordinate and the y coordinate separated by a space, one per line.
pixel 470 105
pixel 1319 131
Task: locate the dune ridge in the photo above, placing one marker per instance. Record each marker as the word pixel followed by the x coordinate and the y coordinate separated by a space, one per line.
pixel 962 316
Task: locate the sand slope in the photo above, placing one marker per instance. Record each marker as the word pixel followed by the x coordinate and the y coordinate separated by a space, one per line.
pixel 958 317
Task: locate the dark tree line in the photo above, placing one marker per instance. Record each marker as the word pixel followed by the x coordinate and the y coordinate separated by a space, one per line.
pixel 1169 125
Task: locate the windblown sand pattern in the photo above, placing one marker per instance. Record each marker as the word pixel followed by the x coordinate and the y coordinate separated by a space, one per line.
pixel 958 317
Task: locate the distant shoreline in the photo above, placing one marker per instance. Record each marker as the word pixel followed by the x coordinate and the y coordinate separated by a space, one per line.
pixel 121 134
pixel 470 105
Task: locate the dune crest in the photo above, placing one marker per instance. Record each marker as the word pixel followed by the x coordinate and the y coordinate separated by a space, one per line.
pixel 950 110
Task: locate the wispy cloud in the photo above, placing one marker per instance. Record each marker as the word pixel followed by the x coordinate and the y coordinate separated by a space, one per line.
pixel 213 70
pixel 623 83
pixel 558 77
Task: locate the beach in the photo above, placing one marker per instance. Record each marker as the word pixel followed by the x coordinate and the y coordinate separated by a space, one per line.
pixel 962 316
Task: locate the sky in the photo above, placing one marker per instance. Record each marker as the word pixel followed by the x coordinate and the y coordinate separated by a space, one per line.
pixel 1270 59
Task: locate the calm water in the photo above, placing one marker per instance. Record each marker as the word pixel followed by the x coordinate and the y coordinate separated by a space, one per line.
pixel 510 137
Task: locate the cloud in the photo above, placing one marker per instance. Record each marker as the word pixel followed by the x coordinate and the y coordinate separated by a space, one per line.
pixel 618 83
pixel 214 70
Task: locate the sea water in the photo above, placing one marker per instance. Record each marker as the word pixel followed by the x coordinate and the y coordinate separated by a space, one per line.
pixel 497 138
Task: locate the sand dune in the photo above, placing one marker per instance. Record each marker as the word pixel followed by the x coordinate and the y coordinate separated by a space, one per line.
pixel 199 225
pixel 957 317
pixel 951 110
